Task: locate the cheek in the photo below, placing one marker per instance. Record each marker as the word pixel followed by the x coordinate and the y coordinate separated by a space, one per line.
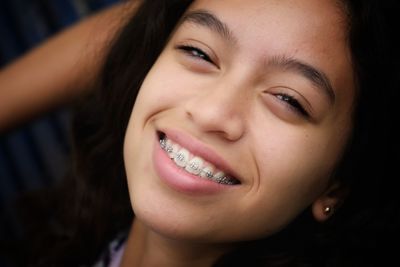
pixel 299 166
pixel 155 95
pixel 293 163
pixel 161 89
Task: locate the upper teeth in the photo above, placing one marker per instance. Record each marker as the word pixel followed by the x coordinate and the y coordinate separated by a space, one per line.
pixel 194 164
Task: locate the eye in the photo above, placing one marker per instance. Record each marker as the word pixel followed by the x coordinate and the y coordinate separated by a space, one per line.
pixel 195 52
pixel 293 103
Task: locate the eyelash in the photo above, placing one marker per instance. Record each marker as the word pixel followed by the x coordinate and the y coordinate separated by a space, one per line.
pixel 195 52
pixel 293 103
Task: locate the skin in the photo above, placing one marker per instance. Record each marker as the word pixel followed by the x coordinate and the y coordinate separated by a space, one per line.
pixel 27 90
pixel 231 101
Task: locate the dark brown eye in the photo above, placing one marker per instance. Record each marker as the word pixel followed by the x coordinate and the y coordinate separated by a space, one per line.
pixel 195 52
pixel 293 103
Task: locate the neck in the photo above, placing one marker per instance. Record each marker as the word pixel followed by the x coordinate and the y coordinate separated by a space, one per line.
pixel 145 247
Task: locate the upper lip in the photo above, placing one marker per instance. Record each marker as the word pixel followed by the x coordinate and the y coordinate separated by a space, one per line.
pixel 198 148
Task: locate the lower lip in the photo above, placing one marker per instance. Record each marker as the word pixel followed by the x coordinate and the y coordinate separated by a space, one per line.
pixel 180 180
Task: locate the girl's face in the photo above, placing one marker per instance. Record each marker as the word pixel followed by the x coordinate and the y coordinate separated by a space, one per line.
pixel 253 103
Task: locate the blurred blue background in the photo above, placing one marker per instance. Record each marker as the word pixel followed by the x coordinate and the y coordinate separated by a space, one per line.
pixel 35 154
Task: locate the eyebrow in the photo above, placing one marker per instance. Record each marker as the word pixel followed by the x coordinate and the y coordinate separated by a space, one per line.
pixel 314 75
pixel 317 77
pixel 209 20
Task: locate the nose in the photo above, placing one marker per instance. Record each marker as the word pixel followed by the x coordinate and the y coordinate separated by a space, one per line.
pixel 219 110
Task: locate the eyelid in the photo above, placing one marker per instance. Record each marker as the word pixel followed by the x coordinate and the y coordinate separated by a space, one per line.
pixel 200 46
pixel 293 103
pixel 296 94
pixel 279 92
pixel 189 49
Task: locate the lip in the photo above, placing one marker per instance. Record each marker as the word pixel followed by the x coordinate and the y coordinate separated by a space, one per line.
pixel 179 179
pixel 198 148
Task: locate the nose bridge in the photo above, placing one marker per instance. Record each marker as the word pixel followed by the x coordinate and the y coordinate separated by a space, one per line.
pixel 226 97
pixel 220 108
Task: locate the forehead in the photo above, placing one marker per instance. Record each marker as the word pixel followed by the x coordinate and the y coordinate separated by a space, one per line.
pixel 299 14
pixel 311 5
pixel 313 31
pixel 282 22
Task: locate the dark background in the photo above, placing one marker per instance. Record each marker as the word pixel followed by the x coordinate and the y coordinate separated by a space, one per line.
pixel 35 154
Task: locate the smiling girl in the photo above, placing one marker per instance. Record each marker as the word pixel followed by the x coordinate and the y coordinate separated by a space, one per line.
pixel 233 131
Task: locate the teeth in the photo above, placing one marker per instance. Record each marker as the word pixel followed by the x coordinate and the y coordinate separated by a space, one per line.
pixel 207 172
pixel 171 149
pixel 181 158
pixel 219 176
pixel 194 164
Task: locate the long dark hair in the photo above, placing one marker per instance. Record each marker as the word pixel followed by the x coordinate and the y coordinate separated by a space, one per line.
pixel 97 204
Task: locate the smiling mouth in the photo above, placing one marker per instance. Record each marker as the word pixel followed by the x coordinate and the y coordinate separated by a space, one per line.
pixel 194 164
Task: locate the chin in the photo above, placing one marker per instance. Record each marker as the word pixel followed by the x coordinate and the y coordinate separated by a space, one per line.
pixel 167 221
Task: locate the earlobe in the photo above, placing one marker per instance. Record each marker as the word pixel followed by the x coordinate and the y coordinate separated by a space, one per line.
pixel 322 211
pixel 326 205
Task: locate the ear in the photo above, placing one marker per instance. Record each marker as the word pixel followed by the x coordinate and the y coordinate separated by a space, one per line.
pixel 329 201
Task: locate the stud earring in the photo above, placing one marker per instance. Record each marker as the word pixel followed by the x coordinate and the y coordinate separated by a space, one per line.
pixel 328 210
